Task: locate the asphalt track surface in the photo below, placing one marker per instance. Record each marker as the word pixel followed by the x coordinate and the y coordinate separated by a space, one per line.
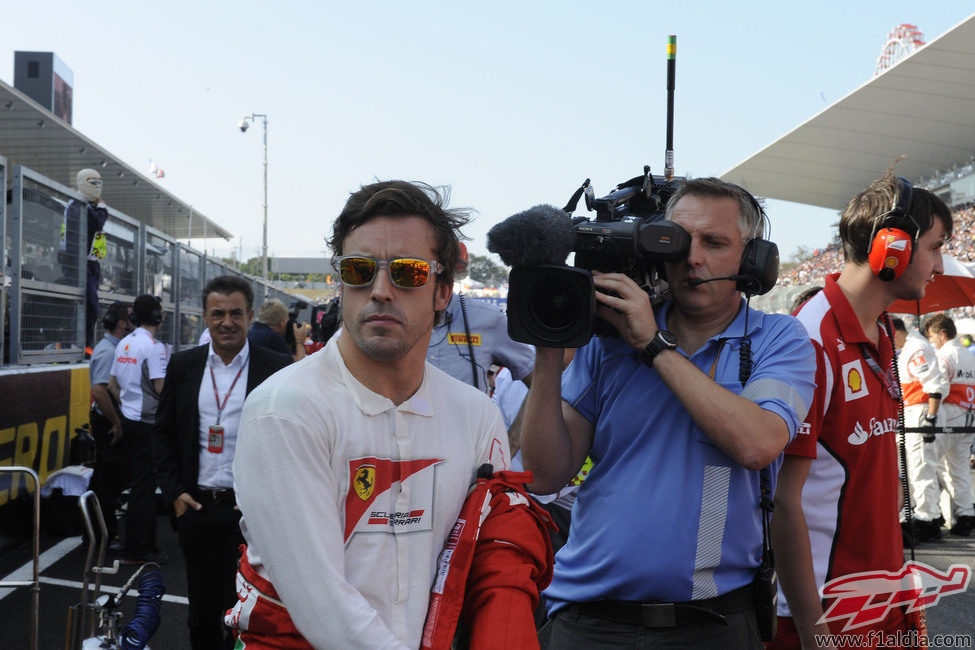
pixel 63 564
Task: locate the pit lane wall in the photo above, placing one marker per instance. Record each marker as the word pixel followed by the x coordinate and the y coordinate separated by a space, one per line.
pixel 44 390
pixel 41 408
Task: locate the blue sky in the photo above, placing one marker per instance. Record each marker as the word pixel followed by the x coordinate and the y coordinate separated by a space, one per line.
pixel 510 103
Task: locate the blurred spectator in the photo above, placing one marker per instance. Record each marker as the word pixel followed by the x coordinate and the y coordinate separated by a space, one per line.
pixel 111 472
pixel 923 385
pixel 270 325
pixel 958 365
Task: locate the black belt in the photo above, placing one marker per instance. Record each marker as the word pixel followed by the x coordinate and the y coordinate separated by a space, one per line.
pixel 215 495
pixel 650 614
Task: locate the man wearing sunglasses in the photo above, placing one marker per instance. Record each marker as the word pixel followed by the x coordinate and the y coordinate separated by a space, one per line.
pixel 352 465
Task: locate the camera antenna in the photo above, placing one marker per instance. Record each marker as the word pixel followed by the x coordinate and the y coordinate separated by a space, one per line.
pixel 671 72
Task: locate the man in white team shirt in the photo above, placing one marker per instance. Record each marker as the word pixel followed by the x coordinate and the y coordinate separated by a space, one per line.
pixel 958 365
pixel 352 465
pixel 136 380
pixel 923 386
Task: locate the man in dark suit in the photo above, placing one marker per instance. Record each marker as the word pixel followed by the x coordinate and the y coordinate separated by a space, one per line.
pixel 195 438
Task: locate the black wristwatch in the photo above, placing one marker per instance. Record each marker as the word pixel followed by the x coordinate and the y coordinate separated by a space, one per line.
pixel 663 340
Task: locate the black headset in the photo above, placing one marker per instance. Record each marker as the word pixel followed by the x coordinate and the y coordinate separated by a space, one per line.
pixel 760 259
pixel 114 314
pixel 155 315
pixel 894 235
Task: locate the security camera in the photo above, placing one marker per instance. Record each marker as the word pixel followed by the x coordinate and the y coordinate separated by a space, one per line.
pixel 243 125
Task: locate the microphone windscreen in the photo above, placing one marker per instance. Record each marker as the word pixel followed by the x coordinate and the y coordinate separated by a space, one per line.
pixel 539 235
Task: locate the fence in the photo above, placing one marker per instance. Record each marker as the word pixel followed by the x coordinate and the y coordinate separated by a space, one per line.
pixel 43 225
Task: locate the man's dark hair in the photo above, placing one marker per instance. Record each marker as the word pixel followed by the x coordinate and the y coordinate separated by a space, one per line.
pixel 865 213
pixel 898 325
pixel 226 285
pixel 147 310
pixel 940 323
pixel 114 314
pixel 404 199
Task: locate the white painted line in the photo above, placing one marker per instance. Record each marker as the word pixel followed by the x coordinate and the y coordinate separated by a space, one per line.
pixel 47 558
pixel 169 598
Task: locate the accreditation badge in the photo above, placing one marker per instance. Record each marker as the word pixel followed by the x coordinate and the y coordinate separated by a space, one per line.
pixel 215 439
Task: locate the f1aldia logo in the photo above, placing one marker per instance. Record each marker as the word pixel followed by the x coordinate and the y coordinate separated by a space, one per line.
pixel 865 598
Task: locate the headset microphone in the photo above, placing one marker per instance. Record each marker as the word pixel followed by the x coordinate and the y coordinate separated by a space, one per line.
pixel 744 278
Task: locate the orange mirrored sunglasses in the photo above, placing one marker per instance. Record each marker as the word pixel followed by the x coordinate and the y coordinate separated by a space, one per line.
pixel 404 272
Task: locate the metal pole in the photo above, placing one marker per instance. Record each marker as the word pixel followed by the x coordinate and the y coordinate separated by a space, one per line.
pixel 35 582
pixel 244 122
pixel 264 253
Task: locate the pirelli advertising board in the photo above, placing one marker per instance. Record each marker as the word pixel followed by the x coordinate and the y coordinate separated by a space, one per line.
pixel 41 408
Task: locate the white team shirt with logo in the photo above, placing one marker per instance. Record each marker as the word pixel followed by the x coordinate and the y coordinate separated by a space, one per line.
pixel 347 499
pixel 920 375
pixel 139 358
pixel 958 365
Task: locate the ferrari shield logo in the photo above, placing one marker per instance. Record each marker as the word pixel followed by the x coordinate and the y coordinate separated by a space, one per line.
pixel 364 481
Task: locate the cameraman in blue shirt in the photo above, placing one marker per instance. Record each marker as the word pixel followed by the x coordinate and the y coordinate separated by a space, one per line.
pixel 666 535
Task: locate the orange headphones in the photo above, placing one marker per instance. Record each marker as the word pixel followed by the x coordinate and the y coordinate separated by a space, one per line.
pixel 892 247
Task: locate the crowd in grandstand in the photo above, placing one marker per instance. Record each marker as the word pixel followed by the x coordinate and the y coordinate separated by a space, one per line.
pixel 961 246
pixel 822 262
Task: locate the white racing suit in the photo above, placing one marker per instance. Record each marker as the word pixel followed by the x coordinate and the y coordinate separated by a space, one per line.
pixel 920 378
pixel 958 407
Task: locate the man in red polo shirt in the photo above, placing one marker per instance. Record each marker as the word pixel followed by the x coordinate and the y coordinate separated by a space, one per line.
pixel 836 504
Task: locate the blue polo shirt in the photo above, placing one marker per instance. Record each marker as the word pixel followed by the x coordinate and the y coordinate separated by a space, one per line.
pixel 665 515
pixel 489 341
pixel 263 336
pixel 100 366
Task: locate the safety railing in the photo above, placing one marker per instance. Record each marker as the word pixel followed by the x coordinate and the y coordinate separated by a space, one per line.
pixel 35 582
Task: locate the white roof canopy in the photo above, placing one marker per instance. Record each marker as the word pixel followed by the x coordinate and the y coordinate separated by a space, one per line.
pixel 32 136
pixel 924 106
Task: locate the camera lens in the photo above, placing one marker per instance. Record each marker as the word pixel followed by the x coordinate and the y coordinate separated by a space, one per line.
pixel 555 306
pixel 550 305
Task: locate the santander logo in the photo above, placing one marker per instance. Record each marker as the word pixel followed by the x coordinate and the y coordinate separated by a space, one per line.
pixel 878 427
